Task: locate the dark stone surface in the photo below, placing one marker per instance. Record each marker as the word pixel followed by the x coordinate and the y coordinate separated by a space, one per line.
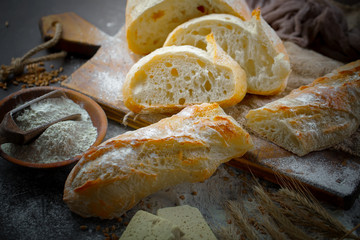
pixel 31 205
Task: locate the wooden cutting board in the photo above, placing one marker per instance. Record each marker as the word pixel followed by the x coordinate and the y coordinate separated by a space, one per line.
pixel 332 176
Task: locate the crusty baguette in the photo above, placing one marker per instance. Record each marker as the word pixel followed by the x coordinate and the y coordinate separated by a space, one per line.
pixel 148 22
pixel 253 44
pixel 187 147
pixel 172 78
pixel 315 116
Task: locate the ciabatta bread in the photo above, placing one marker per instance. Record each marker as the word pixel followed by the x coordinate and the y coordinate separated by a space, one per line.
pixel 253 44
pixel 148 22
pixel 172 78
pixel 187 147
pixel 315 116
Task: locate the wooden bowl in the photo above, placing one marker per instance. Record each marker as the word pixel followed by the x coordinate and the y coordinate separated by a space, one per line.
pixel 96 113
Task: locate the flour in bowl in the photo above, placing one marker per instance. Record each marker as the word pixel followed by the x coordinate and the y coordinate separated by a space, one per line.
pixel 60 141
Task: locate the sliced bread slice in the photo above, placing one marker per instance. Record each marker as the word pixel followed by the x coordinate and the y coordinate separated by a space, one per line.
pixel 148 22
pixel 172 78
pixel 253 44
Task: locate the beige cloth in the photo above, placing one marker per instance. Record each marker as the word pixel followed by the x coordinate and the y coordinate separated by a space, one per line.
pixel 316 24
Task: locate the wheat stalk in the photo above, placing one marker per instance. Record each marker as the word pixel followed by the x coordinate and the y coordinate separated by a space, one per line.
pixel 284 223
pixel 319 219
pixel 272 229
pixel 350 232
pixel 240 216
pixel 227 234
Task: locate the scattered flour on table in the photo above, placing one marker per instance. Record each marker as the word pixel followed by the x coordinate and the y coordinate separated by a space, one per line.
pixel 60 141
pixel 333 174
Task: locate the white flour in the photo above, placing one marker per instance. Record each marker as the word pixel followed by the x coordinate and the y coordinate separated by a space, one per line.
pixel 60 141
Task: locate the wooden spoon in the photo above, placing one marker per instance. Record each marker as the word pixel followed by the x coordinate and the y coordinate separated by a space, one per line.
pixel 11 132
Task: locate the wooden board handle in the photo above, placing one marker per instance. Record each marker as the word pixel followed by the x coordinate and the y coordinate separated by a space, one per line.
pixel 78 36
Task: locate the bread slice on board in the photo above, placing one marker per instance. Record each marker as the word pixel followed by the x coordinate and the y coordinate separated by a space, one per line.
pixel 172 78
pixel 187 147
pixel 252 43
pixel 315 116
pixel 148 22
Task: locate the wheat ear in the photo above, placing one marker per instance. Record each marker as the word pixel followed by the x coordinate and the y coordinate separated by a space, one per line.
pixel 272 229
pixel 284 223
pixel 226 233
pixel 328 224
pixel 240 217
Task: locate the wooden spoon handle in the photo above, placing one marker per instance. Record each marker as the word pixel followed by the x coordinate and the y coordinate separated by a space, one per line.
pixel 3 137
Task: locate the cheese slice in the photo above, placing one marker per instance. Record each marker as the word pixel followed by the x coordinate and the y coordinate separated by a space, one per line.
pixel 145 225
pixel 190 221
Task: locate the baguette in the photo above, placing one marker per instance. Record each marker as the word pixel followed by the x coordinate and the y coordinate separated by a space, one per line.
pixel 187 147
pixel 315 116
pixel 148 22
pixel 253 44
pixel 172 78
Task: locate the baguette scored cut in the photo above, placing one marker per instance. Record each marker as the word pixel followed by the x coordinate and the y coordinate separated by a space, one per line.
pixel 172 78
pixel 253 44
pixel 148 22
pixel 315 116
pixel 187 147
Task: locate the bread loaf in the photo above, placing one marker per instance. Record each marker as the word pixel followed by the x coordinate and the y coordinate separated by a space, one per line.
pixel 315 116
pixel 187 147
pixel 172 78
pixel 148 22
pixel 253 44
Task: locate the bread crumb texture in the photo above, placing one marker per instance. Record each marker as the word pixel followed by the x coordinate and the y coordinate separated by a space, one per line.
pixel 174 77
pixel 180 79
pixel 144 225
pixel 190 221
pixel 181 222
pixel 252 43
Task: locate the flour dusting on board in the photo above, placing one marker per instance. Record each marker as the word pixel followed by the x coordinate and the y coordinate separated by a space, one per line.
pixel 335 175
pixel 112 90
